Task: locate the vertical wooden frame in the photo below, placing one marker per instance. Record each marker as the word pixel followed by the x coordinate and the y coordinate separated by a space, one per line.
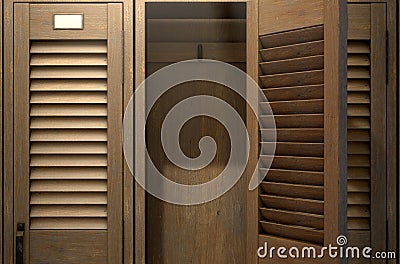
pixel 252 45
pixel 8 191
pixel 378 126
pixel 114 132
pixel 335 121
pixel 128 86
pixel 1 133
pixel 21 124
pixel 140 119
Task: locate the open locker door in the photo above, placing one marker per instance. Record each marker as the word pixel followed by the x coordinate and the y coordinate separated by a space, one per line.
pixel 302 199
pixel 67 98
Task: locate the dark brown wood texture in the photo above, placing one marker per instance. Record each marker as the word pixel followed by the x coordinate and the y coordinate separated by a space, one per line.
pixel 367 126
pixel 302 73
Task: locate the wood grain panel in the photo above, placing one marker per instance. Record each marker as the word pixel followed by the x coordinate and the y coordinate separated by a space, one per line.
pixel 280 15
pixel 41 21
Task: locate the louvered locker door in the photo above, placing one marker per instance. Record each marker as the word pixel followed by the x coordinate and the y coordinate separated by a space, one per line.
pixel 301 199
pixel 366 110
pixel 67 133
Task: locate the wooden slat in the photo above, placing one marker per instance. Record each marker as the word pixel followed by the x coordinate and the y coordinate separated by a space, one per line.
pixel 294 135
pixel 179 51
pixel 293 65
pixel 293 204
pixel 68 46
pixel 358 148
pixel 68 110
pixel 69 98
pixel 293 51
pixel 358 186
pixel 358 98
pixel 68 148
pixel 294 149
pixel 68 122
pixel 69 72
pixel 358 198
pixel 294 93
pixel 66 186
pixel 293 37
pixel 295 163
pixel 294 176
pixel 68 59
pixel 63 173
pixel 358 223
pixel 294 190
pixel 69 135
pixel 314 106
pixel 358 173
pixel 358 60
pixel 358 123
pixel 293 79
pixel 69 223
pixel 358 135
pixel 68 211
pixel 68 85
pixel 294 121
pixel 358 110
pixel 69 198
pixel 358 47
pixel 294 232
pixel 358 85
pixel 293 218
pixel 358 160
pixel 206 30
pixel 41 160
pixel 354 72
pixel 358 211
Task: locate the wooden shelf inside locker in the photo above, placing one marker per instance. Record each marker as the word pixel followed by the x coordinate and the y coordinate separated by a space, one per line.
pixel 196 30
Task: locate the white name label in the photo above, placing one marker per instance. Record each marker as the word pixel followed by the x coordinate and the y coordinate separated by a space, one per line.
pixel 68 21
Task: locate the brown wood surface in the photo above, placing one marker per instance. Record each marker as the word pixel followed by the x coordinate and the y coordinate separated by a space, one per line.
pixel 84 246
pixel 114 134
pixel 378 129
pixel 335 82
pixel 359 21
pixel 95 21
pixel 279 15
pixel 21 123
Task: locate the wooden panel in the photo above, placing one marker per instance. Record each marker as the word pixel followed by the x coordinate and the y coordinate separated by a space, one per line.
pixel 67 172
pixel 69 198
pixel 49 247
pixel 292 65
pixel 295 135
pixel 95 21
pixel 67 224
pixel 70 59
pixel 294 190
pixel 69 72
pixel 359 21
pixel 295 149
pixel 279 15
pixel 293 176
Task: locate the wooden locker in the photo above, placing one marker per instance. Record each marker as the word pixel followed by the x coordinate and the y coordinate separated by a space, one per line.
pixel 67 134
pixel 302 73
pixel 370 133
